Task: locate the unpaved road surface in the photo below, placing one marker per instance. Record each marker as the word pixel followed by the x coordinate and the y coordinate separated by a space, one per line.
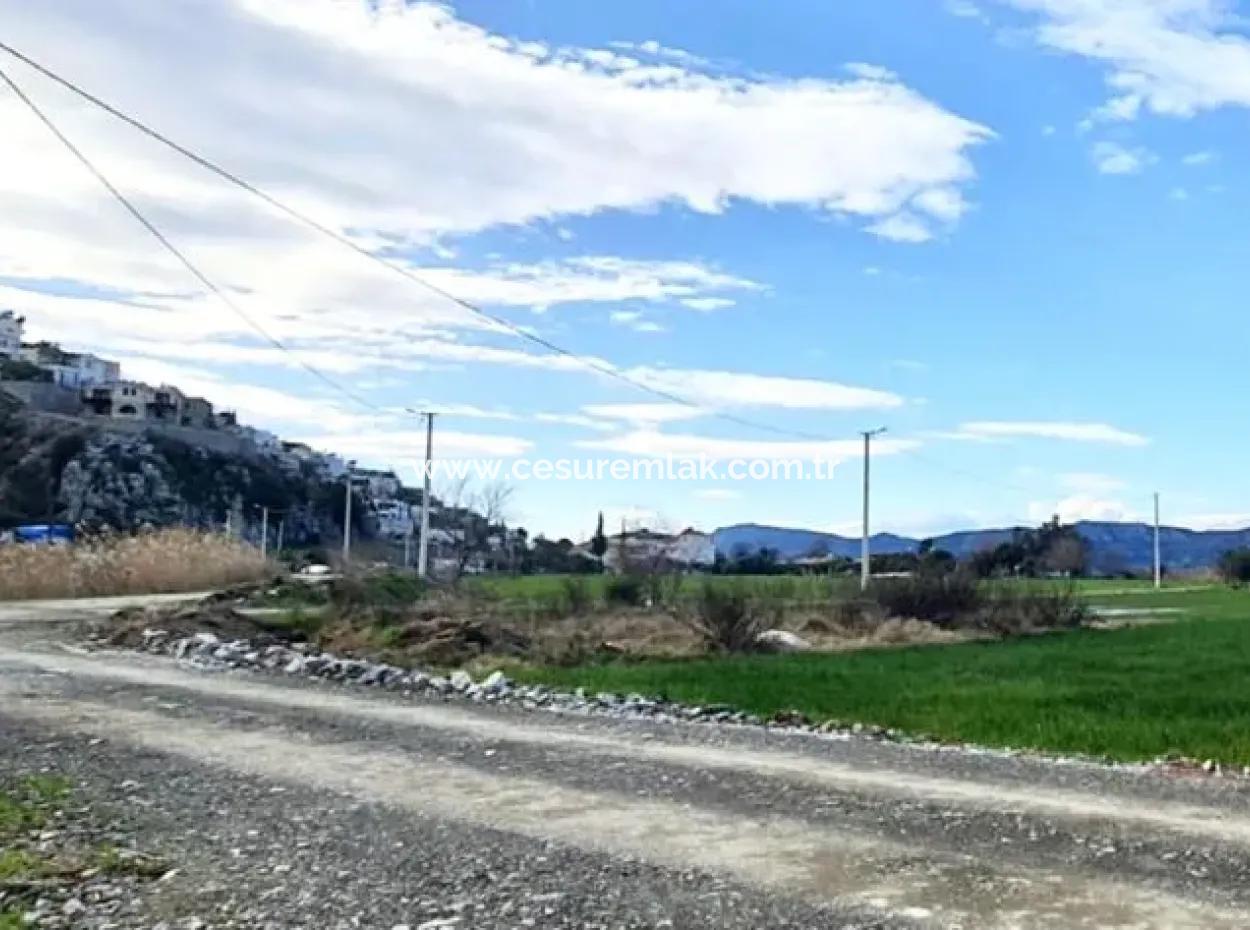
pixel 292 804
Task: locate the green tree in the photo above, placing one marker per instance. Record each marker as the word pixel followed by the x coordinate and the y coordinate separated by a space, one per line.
pixel 1234 566
pixel 599 543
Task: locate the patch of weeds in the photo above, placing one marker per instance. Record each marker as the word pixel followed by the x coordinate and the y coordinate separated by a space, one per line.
pixel 12 919
pixel 111 860
pixel 301 621
pixel 626 590
pixel 388 589
pixel 23 808
pixel 45 789
pixel 17 863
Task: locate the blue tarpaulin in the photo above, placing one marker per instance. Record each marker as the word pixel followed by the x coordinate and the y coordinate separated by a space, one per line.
pixel 44 533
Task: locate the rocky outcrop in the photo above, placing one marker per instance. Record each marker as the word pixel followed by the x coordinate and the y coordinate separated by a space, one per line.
pixel 55 469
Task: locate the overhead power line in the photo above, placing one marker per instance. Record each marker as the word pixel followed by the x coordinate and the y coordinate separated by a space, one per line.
pixel 319 227
pixel 160 237
pixel 314 224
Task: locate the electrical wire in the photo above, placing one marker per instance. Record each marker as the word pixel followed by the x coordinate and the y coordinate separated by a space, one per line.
pixel 319 227
pixel 160 237
pixel 308 221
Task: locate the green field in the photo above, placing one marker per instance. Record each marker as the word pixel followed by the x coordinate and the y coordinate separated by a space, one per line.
pixel 526 588
pixel 1180 687
pixel 801 587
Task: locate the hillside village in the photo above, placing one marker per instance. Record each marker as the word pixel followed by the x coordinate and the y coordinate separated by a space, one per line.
pixel 54 383
pixel 57 384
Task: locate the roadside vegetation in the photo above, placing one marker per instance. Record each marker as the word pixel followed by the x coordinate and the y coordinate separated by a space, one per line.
pixel 42 863
pixel 1168 689
pixel 164 561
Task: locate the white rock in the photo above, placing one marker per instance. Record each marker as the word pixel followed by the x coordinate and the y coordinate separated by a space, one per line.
pixel 496 683
pixel 782 641
pixel 461 680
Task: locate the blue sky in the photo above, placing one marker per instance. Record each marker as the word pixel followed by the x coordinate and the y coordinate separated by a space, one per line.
pixel 1012 231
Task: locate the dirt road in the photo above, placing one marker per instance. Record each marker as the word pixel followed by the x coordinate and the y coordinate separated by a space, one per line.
pixel 290 804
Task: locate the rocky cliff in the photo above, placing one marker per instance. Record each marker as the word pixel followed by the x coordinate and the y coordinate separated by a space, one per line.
pixel 56 469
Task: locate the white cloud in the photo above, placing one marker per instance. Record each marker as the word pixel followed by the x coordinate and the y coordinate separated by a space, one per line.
pixel 644 413
pixel 1083 507
pixel 1171 57
pixel 1178 193
pixel 1113 158
pixel 524 131
pixel 256 404
pixel 1214 521
pixel 574 419
pixel 1197 159
pixel 649 443
pixel 600 278
pixel 718 494
pixel 870 72
pixel 943 203
pixel 1076 432
pixel 400 447
pixel 902 227
pixel 635 320
pixel 718 389
pixel 706 304
pixel 965 9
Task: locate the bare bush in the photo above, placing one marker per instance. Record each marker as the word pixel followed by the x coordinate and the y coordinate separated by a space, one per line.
pixel 166 561
pixel 938 598
pixel 727 620
pixel 1013 611
pixel 578 598
pixel 625 590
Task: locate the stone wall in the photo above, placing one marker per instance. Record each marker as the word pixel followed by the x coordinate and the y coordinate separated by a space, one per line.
pixel 43 396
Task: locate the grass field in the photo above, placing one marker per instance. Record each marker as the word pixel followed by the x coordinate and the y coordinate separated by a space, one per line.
pixel 814 587
pixel 1132 694
pixel 520 589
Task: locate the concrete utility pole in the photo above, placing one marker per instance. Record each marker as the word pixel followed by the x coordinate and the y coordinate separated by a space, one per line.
pixel 264 532
pixel 423 545
pixel 865 568
pixel 1158 560
pixel 347 516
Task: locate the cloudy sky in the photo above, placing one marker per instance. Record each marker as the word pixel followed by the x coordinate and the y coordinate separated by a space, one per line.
pixel 1013 231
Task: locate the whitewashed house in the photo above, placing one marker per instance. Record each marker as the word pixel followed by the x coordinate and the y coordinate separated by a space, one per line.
pixel 11 334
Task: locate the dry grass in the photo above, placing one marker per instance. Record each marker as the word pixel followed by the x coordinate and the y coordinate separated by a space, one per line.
pixel 163 562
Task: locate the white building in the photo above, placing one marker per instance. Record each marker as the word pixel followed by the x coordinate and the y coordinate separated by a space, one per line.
pixel 692 548
pixel 11 334
pixel 395 519
pixel 122 400
pixel 383 485
pixel 74 370
pixel 265 442
pixel 332 466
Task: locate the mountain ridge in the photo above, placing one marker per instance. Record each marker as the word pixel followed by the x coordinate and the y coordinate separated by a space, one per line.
pixel 1113 546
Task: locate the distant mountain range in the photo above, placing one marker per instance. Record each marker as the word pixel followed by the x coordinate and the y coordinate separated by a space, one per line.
pixel 1113 546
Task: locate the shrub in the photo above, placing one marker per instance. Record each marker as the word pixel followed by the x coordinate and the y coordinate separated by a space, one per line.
pixel 625 590
pixel 166 561
pixel 382 590
pixel 940 598
pixel 1234 566
pixel 1011 611
pixel 577 595
pixel 663 589
pixel 726 620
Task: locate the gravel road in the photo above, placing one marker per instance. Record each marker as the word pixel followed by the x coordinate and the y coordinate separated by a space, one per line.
pixel 288 803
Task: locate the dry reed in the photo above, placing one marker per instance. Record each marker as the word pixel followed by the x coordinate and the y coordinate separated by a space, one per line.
pixel 161 562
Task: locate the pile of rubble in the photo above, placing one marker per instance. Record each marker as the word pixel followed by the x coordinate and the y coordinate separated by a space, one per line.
pixel 209 652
